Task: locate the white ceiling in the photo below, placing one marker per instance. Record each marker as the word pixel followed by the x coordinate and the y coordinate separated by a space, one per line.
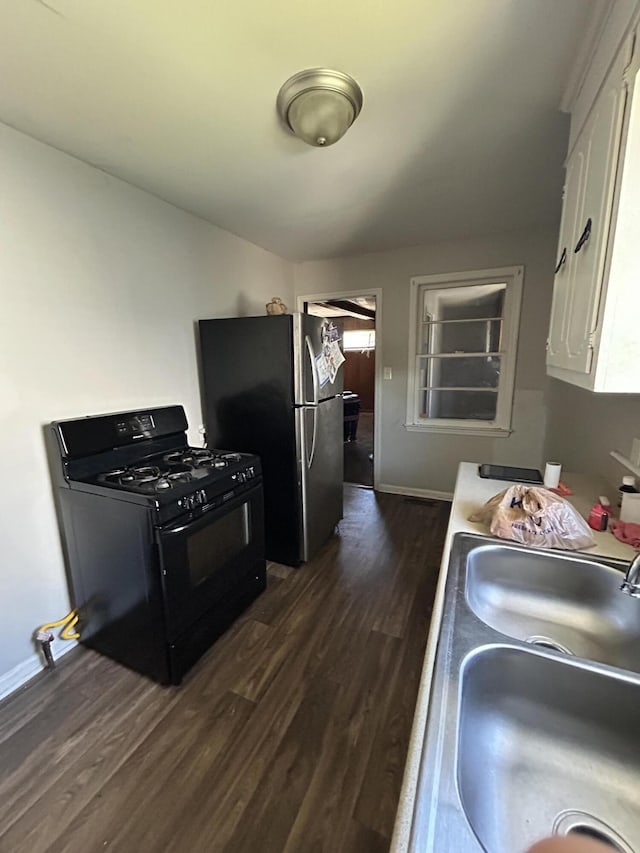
pixel 460 133
pixel 326 309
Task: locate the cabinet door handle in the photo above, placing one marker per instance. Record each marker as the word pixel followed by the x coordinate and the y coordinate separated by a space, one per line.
pixel 561 262
pixel 584 236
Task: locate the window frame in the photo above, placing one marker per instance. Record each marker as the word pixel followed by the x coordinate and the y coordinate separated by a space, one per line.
pixel 501 426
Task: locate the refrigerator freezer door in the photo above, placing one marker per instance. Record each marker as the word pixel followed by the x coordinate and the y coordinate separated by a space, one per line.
pixel 314 345
pixel 321 462
pixel 247 368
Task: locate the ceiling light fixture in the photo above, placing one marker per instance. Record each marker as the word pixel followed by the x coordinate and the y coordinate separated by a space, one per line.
pixel 319 105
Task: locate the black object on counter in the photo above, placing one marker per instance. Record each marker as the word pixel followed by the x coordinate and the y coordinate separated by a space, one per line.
pixel 514 475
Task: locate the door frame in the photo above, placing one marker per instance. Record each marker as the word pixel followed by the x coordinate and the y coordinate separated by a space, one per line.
pixel 376 292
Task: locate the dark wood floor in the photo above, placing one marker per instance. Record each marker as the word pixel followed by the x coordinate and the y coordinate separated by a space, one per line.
pixel 358 453
pixel 289 735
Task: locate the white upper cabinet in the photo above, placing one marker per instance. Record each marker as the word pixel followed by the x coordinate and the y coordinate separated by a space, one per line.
pixel 589 340
pixel 563 290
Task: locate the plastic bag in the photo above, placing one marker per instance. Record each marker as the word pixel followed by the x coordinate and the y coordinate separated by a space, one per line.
pixel 535 516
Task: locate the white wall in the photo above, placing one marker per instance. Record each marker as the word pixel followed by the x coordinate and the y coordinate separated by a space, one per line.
pixel 583 427
pixel 417 462
pixel 101 284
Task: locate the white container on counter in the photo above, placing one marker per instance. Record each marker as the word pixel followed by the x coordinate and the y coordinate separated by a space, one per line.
pixel 552 471
pixel 630 508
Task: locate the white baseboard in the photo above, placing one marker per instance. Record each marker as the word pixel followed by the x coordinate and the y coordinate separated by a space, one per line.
pixel 25 671
pixel 430 494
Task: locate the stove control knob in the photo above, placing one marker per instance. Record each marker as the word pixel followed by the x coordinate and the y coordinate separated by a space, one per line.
pixel 202 496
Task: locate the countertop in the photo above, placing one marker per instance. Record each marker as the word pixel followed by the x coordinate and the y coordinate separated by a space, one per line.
pixel 471 492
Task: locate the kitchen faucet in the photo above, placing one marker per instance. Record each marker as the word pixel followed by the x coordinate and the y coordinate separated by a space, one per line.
pixel 631 582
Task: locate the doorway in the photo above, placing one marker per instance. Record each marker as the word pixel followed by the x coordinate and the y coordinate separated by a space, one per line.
pixel 359 314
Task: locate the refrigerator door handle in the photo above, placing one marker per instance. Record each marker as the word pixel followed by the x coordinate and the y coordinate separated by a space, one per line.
pixel 314 435
pixel 314 373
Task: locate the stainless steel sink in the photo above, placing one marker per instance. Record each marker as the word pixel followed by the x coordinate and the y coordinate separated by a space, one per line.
pixel 523 741
pixel 555 600
pixel 545 745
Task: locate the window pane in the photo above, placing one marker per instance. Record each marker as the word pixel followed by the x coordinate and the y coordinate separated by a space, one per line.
pixel 464 372
pixel 459 405
pixel 464 302
pixel 358 339
pixel 470 336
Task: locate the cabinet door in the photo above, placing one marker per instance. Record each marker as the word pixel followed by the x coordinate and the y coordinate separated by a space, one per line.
pixel 565 269
pixel 600 147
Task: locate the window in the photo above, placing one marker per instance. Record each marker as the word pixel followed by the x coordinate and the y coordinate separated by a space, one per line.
pixel 358 340
pixel 462 351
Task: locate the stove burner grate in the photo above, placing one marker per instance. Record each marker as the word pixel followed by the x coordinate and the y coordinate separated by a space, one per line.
pixel 201 458
pixel 164 472
pixel 141 474
pixel 150 476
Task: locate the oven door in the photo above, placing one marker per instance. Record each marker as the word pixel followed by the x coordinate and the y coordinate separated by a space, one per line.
pixel 210 558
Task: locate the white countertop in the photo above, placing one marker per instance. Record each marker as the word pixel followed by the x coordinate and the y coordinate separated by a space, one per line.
pixel 471 492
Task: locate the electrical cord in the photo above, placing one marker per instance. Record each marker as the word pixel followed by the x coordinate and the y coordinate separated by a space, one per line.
pixel 71 618
pixel 44 636
pixel 68 632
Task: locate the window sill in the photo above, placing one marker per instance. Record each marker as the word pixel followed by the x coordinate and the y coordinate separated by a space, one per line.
pixel 487 432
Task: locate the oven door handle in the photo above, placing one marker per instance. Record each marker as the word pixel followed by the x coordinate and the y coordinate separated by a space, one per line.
pixel 175 530
pixel 219 509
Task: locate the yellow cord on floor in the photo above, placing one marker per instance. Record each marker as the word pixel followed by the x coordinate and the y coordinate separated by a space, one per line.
pixel 68 621
pixel 68 633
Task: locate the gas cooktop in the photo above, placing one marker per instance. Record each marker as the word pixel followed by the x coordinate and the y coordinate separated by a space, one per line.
pixel 165 471
pixel 143 457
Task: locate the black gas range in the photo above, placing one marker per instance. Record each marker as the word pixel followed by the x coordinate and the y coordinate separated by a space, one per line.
pixel 164 542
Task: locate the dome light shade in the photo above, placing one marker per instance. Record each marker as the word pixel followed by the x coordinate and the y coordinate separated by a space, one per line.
pixel 319 105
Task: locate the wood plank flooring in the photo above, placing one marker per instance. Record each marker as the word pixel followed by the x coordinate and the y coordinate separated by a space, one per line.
pixel 290 735
pixel 358 467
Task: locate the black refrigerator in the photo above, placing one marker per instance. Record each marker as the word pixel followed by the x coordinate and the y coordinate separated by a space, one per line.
pixel 272 385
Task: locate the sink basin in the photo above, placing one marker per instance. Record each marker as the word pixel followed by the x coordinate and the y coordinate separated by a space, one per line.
pixel 555 600
pixel 547 745
pixel 522 742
